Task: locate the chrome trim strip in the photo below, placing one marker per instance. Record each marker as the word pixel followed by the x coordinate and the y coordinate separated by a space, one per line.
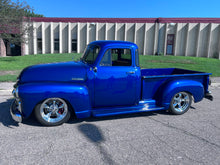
pixel 78 79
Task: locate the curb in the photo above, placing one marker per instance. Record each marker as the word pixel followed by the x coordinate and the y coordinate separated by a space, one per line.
pixel 5 92
pixel 215 85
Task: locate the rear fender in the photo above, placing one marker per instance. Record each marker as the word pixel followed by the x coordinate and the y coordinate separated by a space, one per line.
pixel 75 94
pixel 168 90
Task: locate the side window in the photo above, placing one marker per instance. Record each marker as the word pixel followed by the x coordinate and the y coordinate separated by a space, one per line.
pixel 117 57
pixel 137 58
pixel 107 59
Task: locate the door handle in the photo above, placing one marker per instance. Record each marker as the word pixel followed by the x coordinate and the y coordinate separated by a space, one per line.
pixel 131 72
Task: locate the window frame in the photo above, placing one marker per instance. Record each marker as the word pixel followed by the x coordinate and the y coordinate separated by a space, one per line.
pixel 137 58
pixel 85 54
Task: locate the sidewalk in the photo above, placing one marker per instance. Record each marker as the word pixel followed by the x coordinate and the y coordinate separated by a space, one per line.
pixel 7 87
pixel 215 79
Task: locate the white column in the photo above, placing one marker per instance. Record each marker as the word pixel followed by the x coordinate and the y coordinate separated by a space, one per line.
pixel 60 37
pixel 186 41
pixel 69 38
pixel 209 40
pixel 219 43
pixel 155 38
pixel 25 46
pixel 135 33
pixel 51 38
pixel 78 37
pixel 165 40
pixel 198 38
pixel 106 31
pixel 158 38
pixel 145 38
pixel 219 48
pixel 176 39
pixel 126 28
pixel 87 33
pixel 116 29
pixel 43 37
pixel 97 31
pixel 35 38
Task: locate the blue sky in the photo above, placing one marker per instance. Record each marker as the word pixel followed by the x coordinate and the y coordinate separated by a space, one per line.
pixel 126 8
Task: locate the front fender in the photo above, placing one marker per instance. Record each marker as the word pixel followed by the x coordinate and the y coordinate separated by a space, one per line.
pixel 168 90
pixel 76 94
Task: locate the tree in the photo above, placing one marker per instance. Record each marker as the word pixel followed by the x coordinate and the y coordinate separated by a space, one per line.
pixel 32 14
pixel 15 21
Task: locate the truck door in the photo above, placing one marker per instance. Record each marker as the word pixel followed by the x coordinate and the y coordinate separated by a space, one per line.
pixel 115 80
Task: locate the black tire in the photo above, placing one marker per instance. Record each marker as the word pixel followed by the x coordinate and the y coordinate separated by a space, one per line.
pixel 180 103
pixel 52 112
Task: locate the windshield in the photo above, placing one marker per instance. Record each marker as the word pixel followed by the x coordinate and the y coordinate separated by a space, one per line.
pixel 90 54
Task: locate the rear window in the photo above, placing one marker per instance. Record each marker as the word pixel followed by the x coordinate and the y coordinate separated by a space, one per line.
pixel 117 57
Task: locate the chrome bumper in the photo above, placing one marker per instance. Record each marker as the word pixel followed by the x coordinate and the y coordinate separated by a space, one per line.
pixel 209 96
pixel 15 111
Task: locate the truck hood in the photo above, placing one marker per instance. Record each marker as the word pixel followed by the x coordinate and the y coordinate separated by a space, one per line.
pixel 54 72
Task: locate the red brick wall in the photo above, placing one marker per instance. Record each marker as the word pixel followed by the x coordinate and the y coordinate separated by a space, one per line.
pixel 2 48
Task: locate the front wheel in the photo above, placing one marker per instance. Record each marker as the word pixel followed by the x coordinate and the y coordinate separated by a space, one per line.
pixel 180 103
pixel 52 112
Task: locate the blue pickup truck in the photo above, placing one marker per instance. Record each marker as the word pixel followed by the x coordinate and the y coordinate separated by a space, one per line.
pixel 106 81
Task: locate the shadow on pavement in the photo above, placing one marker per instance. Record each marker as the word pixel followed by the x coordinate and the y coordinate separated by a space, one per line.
pixel 5 116
pixel 31 120
pixel 95 136
pixel 6 119
pixel 115 117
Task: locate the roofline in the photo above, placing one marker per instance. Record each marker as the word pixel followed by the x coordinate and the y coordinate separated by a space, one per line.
pixel 126 20
pixel 112 42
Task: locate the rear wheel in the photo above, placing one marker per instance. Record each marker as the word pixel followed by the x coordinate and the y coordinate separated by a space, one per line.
pixel 52 112
pixel 180 103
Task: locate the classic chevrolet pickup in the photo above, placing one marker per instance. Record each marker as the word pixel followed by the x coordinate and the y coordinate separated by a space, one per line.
pixel 106 81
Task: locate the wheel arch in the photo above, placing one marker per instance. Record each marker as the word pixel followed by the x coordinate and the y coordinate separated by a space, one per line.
pixel 75 95
pixel 168 90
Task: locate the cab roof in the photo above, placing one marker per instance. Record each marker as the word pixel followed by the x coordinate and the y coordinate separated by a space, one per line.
pixel 106 43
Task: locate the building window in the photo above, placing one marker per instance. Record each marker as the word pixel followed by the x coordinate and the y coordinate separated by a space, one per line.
pixel 39 45
pixel 170 44
pixel 74 45
pixel 56 45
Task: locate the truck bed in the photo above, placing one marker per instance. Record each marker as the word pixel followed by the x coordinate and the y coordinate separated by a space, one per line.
pixel 169 72
pixel 152 79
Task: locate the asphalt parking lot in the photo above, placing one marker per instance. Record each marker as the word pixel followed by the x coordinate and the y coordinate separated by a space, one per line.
pixel 146 138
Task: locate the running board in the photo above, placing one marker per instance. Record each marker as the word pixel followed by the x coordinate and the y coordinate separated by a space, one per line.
pixel 143 106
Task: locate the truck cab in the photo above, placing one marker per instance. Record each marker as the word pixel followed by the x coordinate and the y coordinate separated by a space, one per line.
pixel 106 81
pixel 115 73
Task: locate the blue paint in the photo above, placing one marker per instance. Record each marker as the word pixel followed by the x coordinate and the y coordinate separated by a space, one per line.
pixel 91 89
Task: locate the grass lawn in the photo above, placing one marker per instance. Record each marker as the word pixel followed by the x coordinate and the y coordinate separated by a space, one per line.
pixel 10 67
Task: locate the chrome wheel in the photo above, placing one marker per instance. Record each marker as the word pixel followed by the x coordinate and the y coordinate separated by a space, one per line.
pixel 53 110
pixel 180 103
